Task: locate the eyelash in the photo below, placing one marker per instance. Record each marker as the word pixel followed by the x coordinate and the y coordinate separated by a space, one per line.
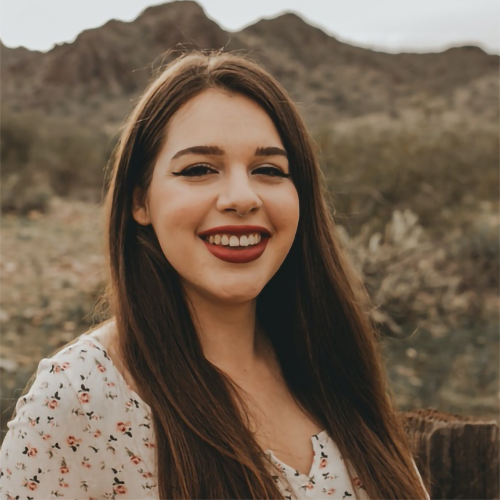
pixel 187 171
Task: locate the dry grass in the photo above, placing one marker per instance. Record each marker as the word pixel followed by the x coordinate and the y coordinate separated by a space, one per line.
pixel 52 270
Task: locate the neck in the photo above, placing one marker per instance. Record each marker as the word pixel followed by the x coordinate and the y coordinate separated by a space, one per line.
pixel 228 333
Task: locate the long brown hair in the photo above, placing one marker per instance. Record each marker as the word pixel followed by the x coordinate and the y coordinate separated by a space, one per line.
pixel 311 311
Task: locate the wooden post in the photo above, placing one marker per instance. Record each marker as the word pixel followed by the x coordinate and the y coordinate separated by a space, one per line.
pixel 457 456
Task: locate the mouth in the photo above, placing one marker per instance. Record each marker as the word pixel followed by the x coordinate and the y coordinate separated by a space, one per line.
pixel 233 241
pixel 234 249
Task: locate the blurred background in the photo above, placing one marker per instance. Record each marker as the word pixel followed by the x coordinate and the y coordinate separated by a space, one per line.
pixel 402 99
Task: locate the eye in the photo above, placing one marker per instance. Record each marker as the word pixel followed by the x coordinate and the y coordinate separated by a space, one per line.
pixel 272 172
pixel 195 171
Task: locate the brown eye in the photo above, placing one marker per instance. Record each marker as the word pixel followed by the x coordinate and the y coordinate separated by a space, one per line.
pixel 272 172
pixel 195 171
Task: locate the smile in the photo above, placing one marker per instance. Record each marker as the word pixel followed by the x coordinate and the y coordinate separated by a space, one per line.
pixel 238 250
pixel 233 240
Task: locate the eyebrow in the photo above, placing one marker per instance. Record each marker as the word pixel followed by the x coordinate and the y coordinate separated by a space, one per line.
pixel 216 151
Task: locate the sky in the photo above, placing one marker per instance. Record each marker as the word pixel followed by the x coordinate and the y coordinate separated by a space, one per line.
pixel 388 25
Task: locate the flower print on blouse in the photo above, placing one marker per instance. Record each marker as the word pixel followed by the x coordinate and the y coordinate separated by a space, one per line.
pixel 79 433
pixel 82 433
pixel 327 478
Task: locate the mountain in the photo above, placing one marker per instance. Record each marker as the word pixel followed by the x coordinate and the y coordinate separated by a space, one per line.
pixel 110 63
pixel 96 78
pixel 10 56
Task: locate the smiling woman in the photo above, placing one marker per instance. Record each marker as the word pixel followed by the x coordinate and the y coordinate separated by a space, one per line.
pixel 242 169
pixel 240 362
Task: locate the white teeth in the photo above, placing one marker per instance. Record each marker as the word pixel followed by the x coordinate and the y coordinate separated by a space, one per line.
pixel 234 241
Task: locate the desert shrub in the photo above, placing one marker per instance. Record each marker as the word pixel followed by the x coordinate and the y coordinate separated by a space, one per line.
pixel 42 155
pixel 74 157
pixel 415 280
pixel 431 169
pixel 18 136
pixel 436 302
pixel 475 243
pixel 24 192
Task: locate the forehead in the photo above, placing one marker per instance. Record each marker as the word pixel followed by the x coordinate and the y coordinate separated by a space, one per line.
pixel 215 117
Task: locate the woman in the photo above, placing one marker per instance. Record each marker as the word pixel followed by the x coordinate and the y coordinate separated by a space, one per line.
pixel 239 362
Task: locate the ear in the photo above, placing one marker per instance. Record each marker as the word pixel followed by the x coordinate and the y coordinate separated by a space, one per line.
pixel 140 211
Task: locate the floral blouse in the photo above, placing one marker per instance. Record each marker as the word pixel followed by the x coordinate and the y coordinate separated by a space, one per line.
pixel 327 478
pixel 82 433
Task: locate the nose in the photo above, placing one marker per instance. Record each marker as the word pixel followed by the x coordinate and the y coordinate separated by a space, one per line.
pixel 237 193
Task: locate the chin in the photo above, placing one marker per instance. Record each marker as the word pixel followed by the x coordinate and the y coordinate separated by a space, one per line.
pixel 238 297
pixel 229 293
pixel 234 294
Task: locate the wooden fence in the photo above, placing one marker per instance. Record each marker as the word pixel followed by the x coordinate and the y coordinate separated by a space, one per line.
pixel 457 456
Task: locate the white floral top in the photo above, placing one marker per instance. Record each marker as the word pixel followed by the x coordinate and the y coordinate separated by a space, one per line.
pixel 327 478
pixel 82 433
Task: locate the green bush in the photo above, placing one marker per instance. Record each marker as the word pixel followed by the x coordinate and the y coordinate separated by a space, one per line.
pixel 24 192
pixel 70 158
pixel 431 169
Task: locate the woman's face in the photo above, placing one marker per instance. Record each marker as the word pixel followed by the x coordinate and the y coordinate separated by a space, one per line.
pixel 215 186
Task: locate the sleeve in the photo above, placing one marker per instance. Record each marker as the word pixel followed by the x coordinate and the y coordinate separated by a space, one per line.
pixel 43 453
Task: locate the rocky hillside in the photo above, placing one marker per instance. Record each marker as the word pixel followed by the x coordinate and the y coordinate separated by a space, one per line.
pixel 95 78
pixel 9 57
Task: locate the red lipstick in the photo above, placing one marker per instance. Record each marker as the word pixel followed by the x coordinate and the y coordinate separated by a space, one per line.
pixel 236 255
pixel 236 230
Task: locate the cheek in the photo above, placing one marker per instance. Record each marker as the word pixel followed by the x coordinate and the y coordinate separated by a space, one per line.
pixel 283 210
pixel 175 215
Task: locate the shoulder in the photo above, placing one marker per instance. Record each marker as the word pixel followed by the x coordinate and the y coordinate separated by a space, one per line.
pixel 74 429
pixel 72 383
pixel 58 387
pixel 105 333
pixel 49 430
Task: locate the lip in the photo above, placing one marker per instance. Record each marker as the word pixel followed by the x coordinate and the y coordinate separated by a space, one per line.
pixel 232 254
pixel 238 230
pixel 237 255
